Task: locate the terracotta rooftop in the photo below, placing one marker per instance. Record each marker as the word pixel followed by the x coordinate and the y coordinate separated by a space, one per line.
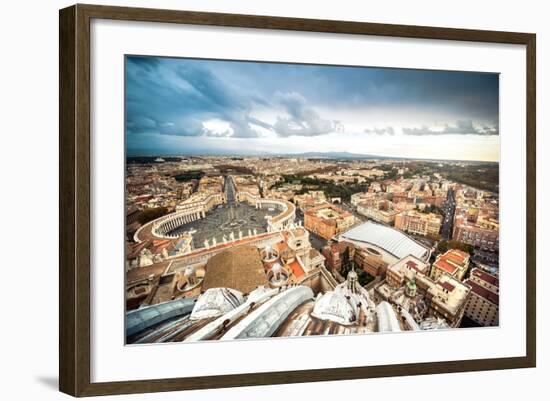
pixel 451 259
pixel 296 269
pixel 448 286
pixel 457 255
pixel 159 245
pixel 443 264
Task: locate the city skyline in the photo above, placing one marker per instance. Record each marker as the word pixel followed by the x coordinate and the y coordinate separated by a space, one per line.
pixel 207 107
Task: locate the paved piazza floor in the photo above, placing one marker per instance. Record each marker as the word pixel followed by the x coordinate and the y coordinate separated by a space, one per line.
pixel 227 218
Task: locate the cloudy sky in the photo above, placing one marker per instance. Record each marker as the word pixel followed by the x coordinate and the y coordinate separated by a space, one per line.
pixel 186 106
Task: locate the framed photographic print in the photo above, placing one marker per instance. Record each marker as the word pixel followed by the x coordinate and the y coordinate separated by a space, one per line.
pixel 250 200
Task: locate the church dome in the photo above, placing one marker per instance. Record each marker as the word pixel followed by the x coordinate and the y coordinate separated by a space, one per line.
pixel 336 307
pixel 276 268
pixel 277 275
pixel 269 254
pixel 216 302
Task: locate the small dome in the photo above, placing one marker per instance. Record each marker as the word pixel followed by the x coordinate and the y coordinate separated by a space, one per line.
pixel 216 302
pixel 276 268
pixel 336 307
pixel 269 254
pixel 278 275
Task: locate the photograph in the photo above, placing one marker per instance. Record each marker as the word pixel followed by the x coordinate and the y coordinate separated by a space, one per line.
pixel 266 201
pixel 269 199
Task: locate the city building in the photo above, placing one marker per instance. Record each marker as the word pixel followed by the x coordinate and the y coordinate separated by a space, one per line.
pixel 379 210
pixel 246 188
pixel 327 220
pixel 310 199
pixel 483 304
pixel 476 219
pixel 219 254
pixel 397 273
pixel 211 184
pixel 333 254
pixel 361 197
pixel 370 260
pixel 446 297
pixel 482 236
pixel 453 262
pixel 415 222
pixel 375 187
pixel 409 289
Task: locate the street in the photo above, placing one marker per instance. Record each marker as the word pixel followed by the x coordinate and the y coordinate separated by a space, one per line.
pixel 449 214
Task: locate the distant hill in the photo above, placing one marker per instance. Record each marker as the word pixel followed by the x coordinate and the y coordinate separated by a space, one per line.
pixel 305 155
pixel 334 155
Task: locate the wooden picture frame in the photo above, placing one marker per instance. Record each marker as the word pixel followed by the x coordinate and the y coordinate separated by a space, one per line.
pixel 74 199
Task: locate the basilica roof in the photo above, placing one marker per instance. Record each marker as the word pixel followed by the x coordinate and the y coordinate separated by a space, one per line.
pixel 143 318
pixel 387 320
pixel 239 268
pixel 265 320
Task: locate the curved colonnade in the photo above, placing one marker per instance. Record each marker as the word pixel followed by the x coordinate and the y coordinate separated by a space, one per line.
pixel 164 226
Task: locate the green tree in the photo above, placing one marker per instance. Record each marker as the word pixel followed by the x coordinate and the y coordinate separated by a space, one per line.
pixel 148 215
pixel 444 246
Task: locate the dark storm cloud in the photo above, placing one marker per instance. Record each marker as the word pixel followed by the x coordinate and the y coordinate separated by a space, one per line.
pixel 175 97
pixel 302 120
pixel 461 127
pixel 147 63
pixel 473 95
pixel 380 131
